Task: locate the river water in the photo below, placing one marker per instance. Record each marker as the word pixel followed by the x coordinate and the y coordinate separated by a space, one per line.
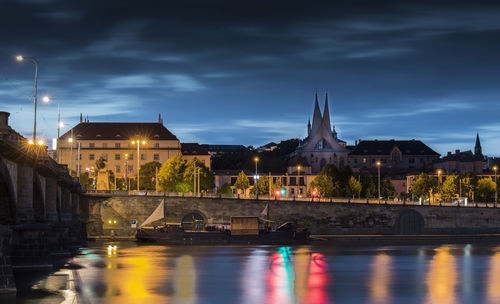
pixel 127 272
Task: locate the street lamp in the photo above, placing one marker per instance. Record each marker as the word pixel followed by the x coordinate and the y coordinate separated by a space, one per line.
pixel 70 140
pixel 495 169
pixel 256 160
pixel 21 58
pixel 47 99
pixel 138 143
pixel 298 180
pixel 378 169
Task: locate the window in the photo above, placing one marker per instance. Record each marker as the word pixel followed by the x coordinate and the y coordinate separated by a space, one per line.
pixel 355 160
pixel 292 191
pixel 105 156
pixel 233 180
pixel 411 160
pixel 91 145
pixel 117 156
pixel 301 191
pixel 157 146
pixel 156 157
pixel 117 169
pixel 104 145
pixel 131 156
pixel 130 168
pixel 117 145
pixel 293 181
pixel 301 181
pixel 364 160
pixel 203 162
pixel 91 156
pixel 80 157
pixel 143 156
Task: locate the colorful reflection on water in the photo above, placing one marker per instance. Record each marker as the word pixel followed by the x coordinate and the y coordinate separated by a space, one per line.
pixel 132 273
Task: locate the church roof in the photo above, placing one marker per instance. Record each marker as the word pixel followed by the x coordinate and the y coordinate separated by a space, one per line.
pixel 120 131
pixel 384 147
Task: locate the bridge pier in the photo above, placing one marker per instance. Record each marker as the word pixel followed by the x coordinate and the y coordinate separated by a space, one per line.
pixel 7 283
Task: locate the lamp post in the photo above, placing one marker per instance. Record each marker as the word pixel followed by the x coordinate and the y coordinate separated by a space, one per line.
pixel 21 58
pixel 138 143
pixel 495 169
pixel 378 169
pixel 47 99
pixel 256 160
pixel 439 171
pixel 70 140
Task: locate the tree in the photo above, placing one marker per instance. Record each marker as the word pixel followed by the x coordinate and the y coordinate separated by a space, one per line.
pixel 242 182
pixel 148 175
pixel 449 188
pixel 323 185
pixel 225 189
pixel 387 189
pixel 262 185
pixel 424 186
pixel 206 177
pixel 467 185
pixel 100 163
pixel 171 173
pixel 354 187
pixel 486 190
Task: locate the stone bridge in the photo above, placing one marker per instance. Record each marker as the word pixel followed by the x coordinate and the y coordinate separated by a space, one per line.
pixel 39 208
pixel 112 214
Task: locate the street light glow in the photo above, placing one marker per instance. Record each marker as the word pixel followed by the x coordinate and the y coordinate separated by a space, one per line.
pixel 378 164
pixel 46 99
pixel 495 168
pixel 256 159
pixel 143 142
pixel 61 124
pixel 19 58
pixel 31 142
pixel 70 139
pixel 41 142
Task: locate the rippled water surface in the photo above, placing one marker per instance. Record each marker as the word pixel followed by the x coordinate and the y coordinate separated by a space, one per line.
pixel 126 272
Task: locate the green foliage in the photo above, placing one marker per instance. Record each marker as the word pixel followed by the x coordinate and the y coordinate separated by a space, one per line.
pixel 148 175
pixel 85 180
pixel 171 173
pixel 387 190
pixel 242 182
pixel 206 176
pixel 262 185
pixel 424 186
pixel 450 188
pixel 354 187
pixel 323 185
pixel 100 163
pixel 486 190
pixel 468 183
pixel 225 189
pixel 183 186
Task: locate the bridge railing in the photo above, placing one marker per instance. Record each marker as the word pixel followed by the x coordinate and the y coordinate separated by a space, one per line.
pixel 331 200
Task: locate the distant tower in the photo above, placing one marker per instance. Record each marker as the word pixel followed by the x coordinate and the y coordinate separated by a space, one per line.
pixel 81 118
pixel 477 148
pixel 309 127
pixel 160 120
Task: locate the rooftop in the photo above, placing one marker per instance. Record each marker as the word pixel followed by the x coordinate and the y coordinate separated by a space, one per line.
pixel 120 131
pixel 384 147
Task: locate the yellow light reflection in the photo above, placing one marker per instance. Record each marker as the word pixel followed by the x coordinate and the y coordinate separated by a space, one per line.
pixel 185 284
pixel 493 292
pixel 381 278
pixel 302 258
pixel 442 277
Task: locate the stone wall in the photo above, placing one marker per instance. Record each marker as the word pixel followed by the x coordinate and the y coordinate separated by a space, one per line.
pixel 113 215
pixel 7 283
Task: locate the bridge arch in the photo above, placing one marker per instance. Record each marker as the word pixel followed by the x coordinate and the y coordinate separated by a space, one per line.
pixel 410 222
pixel 193 219
pixel 7 196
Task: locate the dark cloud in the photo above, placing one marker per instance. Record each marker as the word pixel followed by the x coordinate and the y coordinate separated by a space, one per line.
pixel 393 69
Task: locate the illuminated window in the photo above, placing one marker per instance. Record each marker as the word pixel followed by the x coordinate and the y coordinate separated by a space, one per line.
pixel 117 145
pixel 364 160
pixel 91 156
pixel 156 157
pixel 117 156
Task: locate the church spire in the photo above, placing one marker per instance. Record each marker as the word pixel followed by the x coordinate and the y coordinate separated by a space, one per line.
pixel 316 124
pixel 326 115
pixel 477 148
pixel 309 127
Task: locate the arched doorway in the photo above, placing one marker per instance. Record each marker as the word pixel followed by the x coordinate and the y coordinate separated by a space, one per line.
pixel 194 220
pixel 410 222
pixel 7 197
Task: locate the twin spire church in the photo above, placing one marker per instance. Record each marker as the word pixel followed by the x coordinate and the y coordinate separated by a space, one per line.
pixel 321 146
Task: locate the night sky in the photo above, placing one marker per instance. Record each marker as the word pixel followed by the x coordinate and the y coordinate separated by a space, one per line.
pixel 234 72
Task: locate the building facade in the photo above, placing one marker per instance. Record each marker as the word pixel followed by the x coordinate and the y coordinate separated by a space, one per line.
pixel 394 154
pixel 117 143
pixel 190 151
pixel 463 161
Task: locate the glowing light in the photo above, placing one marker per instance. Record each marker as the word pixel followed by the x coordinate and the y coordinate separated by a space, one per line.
pixel 378 164
pixel 133 142
pixel 70 139
pixel 31 142
pixel 381 279
pixel 19 58
pixel 442 277
pixel 41 142
pixel 61 124
pixel 256 159
pixel 46 99
pixel 109 221
pixel 114 222
pixel 143 142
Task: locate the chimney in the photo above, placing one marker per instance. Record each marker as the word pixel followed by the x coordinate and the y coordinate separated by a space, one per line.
pixel 4 120
pixel 449 153
pixel 457 151
pixel 356 142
